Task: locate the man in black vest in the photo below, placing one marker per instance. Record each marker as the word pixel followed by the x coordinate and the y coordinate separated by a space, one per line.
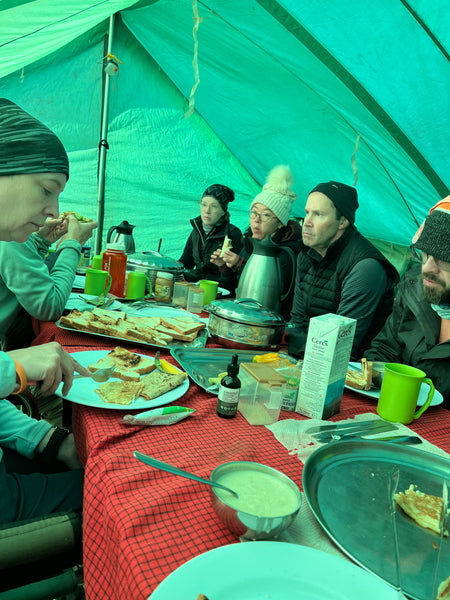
pixel 338 270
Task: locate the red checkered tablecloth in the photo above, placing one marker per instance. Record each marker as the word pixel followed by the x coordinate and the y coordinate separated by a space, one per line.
pixel 140 523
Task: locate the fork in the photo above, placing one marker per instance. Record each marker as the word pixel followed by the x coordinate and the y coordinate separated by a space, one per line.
pixel 98 376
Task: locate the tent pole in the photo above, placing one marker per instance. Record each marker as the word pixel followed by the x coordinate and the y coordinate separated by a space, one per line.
pixel 103 145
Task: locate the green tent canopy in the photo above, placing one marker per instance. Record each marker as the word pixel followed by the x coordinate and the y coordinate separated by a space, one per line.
pixel 220 91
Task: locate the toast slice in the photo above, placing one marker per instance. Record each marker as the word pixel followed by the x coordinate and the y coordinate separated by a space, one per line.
pixel 360 381
pixel 183 326
pixel 128 365
pixel 444 590
pixel 177 336
pixel 158 383
pixel 119 392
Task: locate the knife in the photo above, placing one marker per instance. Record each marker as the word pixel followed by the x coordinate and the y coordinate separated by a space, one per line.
pixel 341 426
pixel 355 430
pixel 443 528
pixel 398 439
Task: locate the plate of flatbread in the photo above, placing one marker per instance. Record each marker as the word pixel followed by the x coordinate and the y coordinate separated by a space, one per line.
pixel 140 385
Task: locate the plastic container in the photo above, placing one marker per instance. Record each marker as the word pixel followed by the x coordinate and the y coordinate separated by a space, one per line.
pixel 114 260
pixel 261 393
pixel 163 286
pixel 180 293
pixel 195 299
pixel 85 256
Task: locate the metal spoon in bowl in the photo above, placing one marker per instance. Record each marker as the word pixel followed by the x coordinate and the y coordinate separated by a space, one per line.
pixel 99 376
pixel 159 464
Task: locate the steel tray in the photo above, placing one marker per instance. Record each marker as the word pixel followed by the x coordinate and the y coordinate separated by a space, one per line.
pixel 202 363
pixel 199 342
pixel 346 486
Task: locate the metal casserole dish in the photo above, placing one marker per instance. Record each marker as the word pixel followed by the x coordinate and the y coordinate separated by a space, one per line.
pixel 244 323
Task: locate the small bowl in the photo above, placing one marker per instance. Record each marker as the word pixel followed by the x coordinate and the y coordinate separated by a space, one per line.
pixel 246 523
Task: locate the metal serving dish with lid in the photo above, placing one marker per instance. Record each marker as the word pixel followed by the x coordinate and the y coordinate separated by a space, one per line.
pixel 244 323
pixel 151 262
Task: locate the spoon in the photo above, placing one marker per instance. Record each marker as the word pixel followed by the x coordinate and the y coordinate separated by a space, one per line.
pixel 159 464
pixel 98 376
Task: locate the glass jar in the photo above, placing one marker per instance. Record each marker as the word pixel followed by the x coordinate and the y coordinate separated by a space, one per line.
pixel 163 286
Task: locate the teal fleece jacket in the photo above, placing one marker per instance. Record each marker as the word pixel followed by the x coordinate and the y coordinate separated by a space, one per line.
pixel 17 430
pixel 26 282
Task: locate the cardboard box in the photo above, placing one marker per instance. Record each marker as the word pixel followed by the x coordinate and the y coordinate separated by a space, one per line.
pixel 290 392
pixel 327 354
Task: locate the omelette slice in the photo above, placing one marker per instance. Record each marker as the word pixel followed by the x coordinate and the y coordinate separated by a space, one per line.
pixel 119 392
pixel 424 509
pixel 158 383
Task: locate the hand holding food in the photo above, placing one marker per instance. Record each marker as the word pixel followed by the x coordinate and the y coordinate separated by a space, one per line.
pixel 53 229
pixel 363 380
pixel 48 365
pixel 78 229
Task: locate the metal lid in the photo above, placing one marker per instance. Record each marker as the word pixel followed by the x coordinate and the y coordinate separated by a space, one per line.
pixel 245 310
pixel 154 260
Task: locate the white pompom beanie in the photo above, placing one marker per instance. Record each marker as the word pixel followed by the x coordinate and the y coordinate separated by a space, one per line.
pixel 277 194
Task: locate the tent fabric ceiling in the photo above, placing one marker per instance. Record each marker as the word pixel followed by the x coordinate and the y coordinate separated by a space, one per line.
pixel 280 82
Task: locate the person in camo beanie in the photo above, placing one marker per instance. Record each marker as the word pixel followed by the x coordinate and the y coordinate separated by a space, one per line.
pixel 27 145
pixel 417 333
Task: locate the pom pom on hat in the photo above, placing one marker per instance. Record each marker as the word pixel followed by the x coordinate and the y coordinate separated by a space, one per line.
pixel 277 194
pixel 344 197
pixel 27 145
pixel 433 236
pixel 223 194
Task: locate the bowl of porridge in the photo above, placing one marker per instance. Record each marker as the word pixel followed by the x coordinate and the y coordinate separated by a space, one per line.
pixel 267 501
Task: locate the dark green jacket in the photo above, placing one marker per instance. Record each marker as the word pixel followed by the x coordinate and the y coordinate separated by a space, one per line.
pixel 411 335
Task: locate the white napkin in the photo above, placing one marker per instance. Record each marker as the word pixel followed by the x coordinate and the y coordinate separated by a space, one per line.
pixel 291 434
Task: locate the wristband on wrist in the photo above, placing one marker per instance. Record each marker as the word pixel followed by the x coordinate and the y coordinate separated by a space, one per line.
pixel 20 372
pixel 49 454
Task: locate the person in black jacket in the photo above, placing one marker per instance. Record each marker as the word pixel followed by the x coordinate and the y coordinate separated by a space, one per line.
pixel 269 216
pixel 338 270
pixel 208 234
pixel 417 333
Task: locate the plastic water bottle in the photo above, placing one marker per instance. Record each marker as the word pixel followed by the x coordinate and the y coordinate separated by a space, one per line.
pixel 114 260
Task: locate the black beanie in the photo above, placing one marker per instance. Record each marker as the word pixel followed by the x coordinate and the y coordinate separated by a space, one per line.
pixel 344 197
pixel 434 235
pixel 221 193
pixel 27 145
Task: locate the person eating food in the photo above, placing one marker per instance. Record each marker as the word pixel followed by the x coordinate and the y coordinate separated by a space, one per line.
pixel 269 216
pixel 40 472
pixel 209 231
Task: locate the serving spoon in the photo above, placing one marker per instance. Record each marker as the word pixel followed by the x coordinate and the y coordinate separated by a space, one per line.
pixel 99 376
pixel 159 464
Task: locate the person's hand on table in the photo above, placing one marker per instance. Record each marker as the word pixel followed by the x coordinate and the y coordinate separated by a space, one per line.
pixel 78 231
pixel 53 229
pixel 48 364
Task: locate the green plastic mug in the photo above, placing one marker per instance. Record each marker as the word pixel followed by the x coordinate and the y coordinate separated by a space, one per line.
pixel 400 391
pixel 136 285
pixel 210 288
pixel 97 261
pixel 97 282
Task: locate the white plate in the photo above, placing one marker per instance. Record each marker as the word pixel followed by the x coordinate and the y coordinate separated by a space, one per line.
pixel 82 390
pixel 375 392
pixel 275 570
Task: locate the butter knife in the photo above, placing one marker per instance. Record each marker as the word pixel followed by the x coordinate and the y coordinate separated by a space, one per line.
pixel 381 427
pixel 443 528
pixel 342 426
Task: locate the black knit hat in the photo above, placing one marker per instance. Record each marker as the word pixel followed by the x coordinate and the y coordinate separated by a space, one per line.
pixel 344 197
pixel 434 235
pixel 27 145
pixel 221 193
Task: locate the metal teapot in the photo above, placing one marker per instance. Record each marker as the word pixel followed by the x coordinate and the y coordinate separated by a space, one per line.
pixel 261 277
pixel 123 235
